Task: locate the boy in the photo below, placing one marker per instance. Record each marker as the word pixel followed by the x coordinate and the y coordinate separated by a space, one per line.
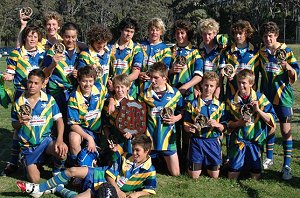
pixel 162 129
pixel 127 56
pixel 98 53
pixel 84 111
pixel 128 173
pixel 276 83
pixel 205 148
pixel 248 133
pixel 34 128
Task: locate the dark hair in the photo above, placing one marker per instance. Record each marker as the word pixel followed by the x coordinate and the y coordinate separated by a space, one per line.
pixel 183 24
pixel 142 140
pixel 159 67
pixel 69 26
pixel 99 33
pixel 129 23
pixel 269 27
pixel 106 190
pixel 27 30
pixel 87 71
pixel 37 72
pixel 242 25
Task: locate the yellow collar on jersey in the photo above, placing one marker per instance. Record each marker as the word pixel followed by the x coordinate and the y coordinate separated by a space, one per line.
pixel 147 164
pixel 130 45
pixel 237 98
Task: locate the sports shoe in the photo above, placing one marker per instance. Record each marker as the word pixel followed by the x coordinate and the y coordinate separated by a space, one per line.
pixel 9 169
pixel 30 188
pixel 268 163
pixel 286 173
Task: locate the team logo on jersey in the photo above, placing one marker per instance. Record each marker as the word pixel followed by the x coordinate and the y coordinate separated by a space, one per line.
pixel 213 109
pixel 157 50
pixel 97 99
pixel 128 51
pixel 43 105
pixel 169 98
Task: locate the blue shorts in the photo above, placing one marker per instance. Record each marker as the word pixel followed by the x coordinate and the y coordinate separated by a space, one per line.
pixel 248 157
pixel 94 175
pixel 205 151
pixel 93 134
pixel 156 154
pixel 284 114
pixel 35 155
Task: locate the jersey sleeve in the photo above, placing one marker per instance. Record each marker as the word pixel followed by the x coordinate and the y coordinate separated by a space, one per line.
pixel 138 57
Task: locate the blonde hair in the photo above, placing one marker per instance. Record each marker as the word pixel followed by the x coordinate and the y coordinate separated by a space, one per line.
pixel 157 23
pixel 121 80
pixel 208 25
pixel 212 76
pixel 53 15
pixel 246 74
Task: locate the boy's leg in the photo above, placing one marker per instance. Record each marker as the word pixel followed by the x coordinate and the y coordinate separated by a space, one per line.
pixel 253 156
pixel 33 173
pixel 269 161
pixel 236 160
pixel 59 161
pixel 12 166
pixel 173 164
pixel 287 144
pixel 211 148
pixel 74 145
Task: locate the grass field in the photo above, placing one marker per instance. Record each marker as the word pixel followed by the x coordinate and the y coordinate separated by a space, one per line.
pixel 270 185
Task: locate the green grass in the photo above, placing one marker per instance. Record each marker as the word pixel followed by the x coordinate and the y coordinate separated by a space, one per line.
pixel 270 185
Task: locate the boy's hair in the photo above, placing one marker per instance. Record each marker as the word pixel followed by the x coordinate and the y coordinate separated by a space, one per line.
pixel 69 26
pixel 121 80
pixel 269 27
pixel 242 25
pixel 183 24
pixel 33 29
pixel 157 23
pixel 159 67
pixel 99 33
pixel 129 23
pixel 87 71
pixel 37 72
pixel 246 73
pixel 213 76
pixel 106 190
pixel 52 15
pixel 142 140
pixel 209 24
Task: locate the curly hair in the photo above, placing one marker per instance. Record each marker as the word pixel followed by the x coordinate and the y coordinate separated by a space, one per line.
pixel 27 30
pixel 99 33
pixel 208 25
pixel 269 27
pixel 87 71
pixel 52 15
pixel 185 25
pixel 242 25
pixel 129 23
pixel 157 23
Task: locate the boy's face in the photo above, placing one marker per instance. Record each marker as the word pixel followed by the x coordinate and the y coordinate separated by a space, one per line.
pixel 240 37
pixel 181 36
pixel 86 83
pixel 157 79
pixel 99 46
pixel 270 39
pixel 139 154
pixel 52 27
pixel 121 91
pixel 208 36
pixel 154 34
pixel 70 38
pixel 32 40
pixel 244 86
pixel 127 34
pixel 208 88
pixel 34 85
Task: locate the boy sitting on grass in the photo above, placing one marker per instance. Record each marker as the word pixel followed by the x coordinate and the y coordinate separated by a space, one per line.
pixel 131 172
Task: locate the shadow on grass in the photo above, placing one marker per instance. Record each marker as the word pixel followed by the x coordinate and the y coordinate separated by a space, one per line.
pixel 250 191
pixel 13 194
pixel 275 176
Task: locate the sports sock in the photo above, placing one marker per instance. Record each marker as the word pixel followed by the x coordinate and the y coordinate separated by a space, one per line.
pixel 270 146
pixel 287 151
pixel 60 178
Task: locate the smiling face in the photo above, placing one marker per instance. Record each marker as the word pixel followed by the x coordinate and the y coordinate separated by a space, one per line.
pixel 31 40
pixel 240 37
pixel 52 27
pixel 208 88
pixel 181 37
pixel 139 154
pixel 86 84
pixel 244 86
pixel 270 40
pixel 70 38
pixel 121 91
pixel 154 34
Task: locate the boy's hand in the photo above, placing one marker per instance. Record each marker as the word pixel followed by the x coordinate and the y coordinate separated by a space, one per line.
pixel 127 136
pixel 133 195
pixel 121 194
pixel 112 145
pixel 61 148
pixel 24 119
pixel 255 105
pixel 285 65
pixel 74 73
pixel 91 145
pixel 8 76
pixel 144 77
pixel 170 120
pixel 189 128
pixel 58 57
pixel 110 85
pixel 177 68
pixel 111 106
pixel 213 123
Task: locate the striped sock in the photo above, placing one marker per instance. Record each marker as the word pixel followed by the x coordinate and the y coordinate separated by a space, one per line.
pixel 60 178
pixel 66 193
pixel 287 151
pixel 270 146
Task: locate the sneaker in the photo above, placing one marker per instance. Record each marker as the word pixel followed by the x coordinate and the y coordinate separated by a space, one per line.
pixel 53 190
pixel 9 169
pixel 286 173
pixel 30 188
pixel 268 163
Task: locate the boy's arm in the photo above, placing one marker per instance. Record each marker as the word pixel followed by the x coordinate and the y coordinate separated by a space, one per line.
pixel 60 147
pixel 91 142
pixel 264 115
pixel 110 180
pixel 138 194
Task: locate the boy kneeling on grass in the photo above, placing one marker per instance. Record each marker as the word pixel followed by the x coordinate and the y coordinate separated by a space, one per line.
pixel 129 173
pixel 205 148
pixel 249 130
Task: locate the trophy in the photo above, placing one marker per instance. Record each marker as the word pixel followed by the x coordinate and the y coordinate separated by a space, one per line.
pixel 228 70
pixel 280 55
pixel 181 60
pixel 25 109
pixel 166 112
pixel 26 11
pixel 200 121
pixel 58 48
pixel 99 71
pixel 247 111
